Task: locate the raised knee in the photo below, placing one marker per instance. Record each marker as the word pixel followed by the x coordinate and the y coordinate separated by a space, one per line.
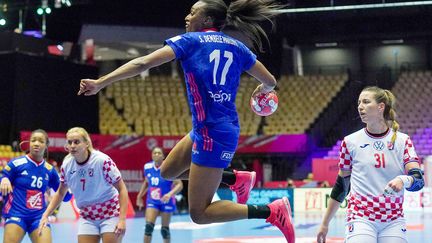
pixel 198 217
pixel 168 173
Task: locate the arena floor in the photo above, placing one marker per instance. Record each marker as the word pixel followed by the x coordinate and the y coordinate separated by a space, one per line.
pixel 251 231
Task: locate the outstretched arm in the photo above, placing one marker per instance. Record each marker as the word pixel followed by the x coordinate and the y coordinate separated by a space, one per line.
pixel 130 69
pixel 260 72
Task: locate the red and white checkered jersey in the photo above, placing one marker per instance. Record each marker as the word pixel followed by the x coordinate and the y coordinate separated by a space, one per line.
pixel 92 182
pixel 373 162
pixel 99 211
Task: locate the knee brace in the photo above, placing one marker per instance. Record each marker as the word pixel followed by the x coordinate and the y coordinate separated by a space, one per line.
pixel 149 228
pixel 165 232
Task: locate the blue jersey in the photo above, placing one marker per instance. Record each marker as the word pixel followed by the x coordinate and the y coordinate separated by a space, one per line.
pixel 29 181
pixel 213 63
pixel 157 186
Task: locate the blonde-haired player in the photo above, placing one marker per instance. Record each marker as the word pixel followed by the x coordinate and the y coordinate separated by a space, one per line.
pixel 376 164
pixel 98 188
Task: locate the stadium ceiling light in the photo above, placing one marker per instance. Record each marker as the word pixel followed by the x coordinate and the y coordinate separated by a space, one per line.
pixel 2 21
pixel 326 44
pixel 354 7
pixel 40 11
pixel 399 41
pixel 66 2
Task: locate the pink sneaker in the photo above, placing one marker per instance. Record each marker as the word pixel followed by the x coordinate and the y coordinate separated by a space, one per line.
pixel 245 181
pixel 280 216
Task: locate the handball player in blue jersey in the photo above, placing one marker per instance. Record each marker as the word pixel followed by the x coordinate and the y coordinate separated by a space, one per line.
pixel 24 182
pixel 160 196
pixel 212 63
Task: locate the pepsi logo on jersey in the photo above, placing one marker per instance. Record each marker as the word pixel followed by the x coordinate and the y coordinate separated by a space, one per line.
pixel 220 96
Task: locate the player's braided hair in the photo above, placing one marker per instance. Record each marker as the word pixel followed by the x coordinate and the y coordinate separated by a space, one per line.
pixel 386 96
pixel 243 15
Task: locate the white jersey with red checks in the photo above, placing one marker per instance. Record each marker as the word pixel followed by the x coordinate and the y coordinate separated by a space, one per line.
pixel 374 162
pixel 92 185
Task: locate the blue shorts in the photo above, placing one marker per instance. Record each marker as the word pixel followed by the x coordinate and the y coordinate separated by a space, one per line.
pixel 169 207
pixel 28 225
pixel 214 146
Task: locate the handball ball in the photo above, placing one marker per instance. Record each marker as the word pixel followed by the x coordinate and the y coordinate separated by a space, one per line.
pixel 264 104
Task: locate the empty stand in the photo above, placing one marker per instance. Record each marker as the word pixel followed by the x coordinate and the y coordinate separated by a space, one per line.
pixel 301 100
pixel 6 152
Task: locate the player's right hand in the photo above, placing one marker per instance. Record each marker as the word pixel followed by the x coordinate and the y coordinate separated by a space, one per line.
pixel 5 186
pixel 261 89
pixel 322 233
pixel 42 224
pixel 89 87
pixel 139 203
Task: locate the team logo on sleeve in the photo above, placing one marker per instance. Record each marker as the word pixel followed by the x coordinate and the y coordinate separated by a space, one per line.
pixel 378 145
pixel 34 199
pixel 7 168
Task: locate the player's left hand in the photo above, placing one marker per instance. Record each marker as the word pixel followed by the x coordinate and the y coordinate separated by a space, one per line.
pixel 42 224
pixel 165 198
pixel 393 187
pixel 120 228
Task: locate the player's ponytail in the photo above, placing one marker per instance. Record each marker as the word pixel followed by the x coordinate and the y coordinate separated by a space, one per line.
pixel 243 15
pixel 390 115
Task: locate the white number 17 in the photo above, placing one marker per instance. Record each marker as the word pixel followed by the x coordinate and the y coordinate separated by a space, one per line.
pixel 215 55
